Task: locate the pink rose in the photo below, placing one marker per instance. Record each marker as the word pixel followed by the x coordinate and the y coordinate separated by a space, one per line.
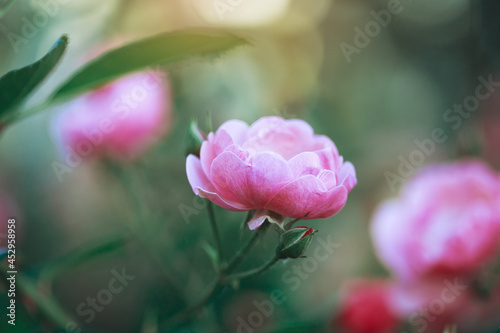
pixel 446 221
pixel 121 119
pixel 366 307
pixel 275 166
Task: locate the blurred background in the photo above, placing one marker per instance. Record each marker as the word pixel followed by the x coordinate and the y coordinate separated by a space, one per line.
pixel 374 92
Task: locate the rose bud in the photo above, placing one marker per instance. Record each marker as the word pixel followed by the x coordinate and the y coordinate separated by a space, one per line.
pixel 294 242
pixel 121 119
pixel 194 139
pixel 274 165
pixel 445 222
pixel 366 307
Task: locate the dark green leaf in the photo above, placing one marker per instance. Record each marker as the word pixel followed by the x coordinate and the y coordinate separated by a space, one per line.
pixel 16 85
pixel 163 49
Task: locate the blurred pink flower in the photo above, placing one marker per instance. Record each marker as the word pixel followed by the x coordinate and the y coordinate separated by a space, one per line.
pixel 274 166
pixel 121 119
pixel 366 307
pixel 446 221
pixel 431 305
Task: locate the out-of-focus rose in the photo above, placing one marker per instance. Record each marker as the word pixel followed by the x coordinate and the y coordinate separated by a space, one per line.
pixel 446 221
pixel 276 166
pixel 366 307
pixel 433 304
pixel 121 119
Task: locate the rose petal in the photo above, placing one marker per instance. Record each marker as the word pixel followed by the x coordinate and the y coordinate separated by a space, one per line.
pixel 307 163
pixel 347 176
pixel 219 201
pixel 265 123
pixel 388 234
pixel 237 129
pixel 213 147
pixel 328 178
pixel 284 137
pixel 195 174
pixel 322 142
pixel 252 184
pixel 257 220
pixel 242 154
pixel 300 127
pixel 298 198
pixel 329 159
pixel 333 202
pixel 308 195
pixel 261 215
pixel 204 188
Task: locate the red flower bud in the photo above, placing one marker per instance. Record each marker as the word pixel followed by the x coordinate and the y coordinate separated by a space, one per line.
pixel 294 242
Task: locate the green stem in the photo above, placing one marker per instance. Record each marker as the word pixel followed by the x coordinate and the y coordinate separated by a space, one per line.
pixel 253 272
pixel 290 224
pixel 222 279
pixel 215 230
pixel 127 182
pixel 186 315
pixel 244 223
pixel 169 278
pixel 141 219
pixel 240 255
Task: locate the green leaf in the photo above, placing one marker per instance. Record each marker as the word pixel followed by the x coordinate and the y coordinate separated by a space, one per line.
pixel 163 49
pixel 46 304
pixel 16 85
pixel 5 6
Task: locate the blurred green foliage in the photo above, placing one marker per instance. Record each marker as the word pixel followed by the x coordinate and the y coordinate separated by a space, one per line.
pixel 393 92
